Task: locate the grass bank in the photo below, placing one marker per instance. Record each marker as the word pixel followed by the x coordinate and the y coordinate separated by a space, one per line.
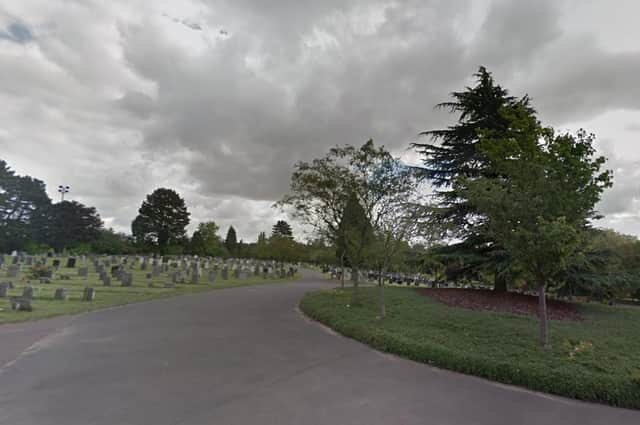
pixel 596 359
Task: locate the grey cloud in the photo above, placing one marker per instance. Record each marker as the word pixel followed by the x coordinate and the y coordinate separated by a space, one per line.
pixel 135 101
pixel 17 32
pixel 513 33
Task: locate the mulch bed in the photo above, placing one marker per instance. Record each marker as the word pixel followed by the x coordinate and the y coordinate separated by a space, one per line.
pixel 505 302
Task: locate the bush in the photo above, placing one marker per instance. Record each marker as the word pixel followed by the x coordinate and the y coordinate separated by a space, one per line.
pixel 40 271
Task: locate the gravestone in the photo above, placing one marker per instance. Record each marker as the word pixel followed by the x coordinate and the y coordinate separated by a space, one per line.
pixel 106 281
pixel 13 271
pixel 225 274
pixel 56 263
pixel 21 304
pixel 176 277
pixel 83 272
pixel 156 271
pixel 4 290
pixel 27 292
pixel 211 277
pixel 60 294
pixel 195 277
pixel 126 279
pixel 115 271
pixel 71 262
pixel 89 294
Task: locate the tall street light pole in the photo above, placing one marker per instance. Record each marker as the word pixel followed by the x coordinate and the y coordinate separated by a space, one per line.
pixel 63 189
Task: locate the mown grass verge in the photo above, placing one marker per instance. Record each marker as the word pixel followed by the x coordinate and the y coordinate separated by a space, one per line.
pixel 597 359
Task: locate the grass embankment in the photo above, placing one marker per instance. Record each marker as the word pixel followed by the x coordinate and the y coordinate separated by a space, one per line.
pixel 106 296
pixel 596 359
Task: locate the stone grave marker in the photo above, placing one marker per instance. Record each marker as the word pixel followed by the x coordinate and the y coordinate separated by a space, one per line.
pixel 83 272
pixel 211 276
pixel 21 304
pixel 60 294
pixel 89 294
pixel 4 290
pixel 27 292
pixel 71 262
pixel 13 270
pixel 56 263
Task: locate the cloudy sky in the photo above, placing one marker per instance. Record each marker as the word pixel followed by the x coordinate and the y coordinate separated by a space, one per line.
pixel 219 98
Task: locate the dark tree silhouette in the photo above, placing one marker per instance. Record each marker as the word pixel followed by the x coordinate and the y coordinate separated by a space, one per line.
pixel 69 223
pixel 454 153
pixel 22 201
pixel 282 229
pixel 162 219
pixel 231 241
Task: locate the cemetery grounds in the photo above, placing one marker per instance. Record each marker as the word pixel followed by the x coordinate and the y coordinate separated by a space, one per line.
pixel 145 285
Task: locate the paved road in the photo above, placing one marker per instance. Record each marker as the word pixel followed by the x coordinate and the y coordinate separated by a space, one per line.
pixel 244 356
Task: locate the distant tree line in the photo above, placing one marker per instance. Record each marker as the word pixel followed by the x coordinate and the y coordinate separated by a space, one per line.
pixel 30 222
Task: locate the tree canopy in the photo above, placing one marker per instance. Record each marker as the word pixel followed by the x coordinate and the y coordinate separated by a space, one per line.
pixel 282 229
pixel 231 241
pixel 22 200
pixel 162 220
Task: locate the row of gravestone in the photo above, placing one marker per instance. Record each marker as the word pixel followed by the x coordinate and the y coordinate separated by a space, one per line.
pixel 24 302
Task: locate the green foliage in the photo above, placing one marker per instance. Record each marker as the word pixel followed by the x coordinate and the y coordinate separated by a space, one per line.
pixel 231 241
pixel 22 199
pixel 113 243
pixel 356 232
pixel 39 271
pixel 282 229
pixel 69 223
pixel 455 153
pixel 542 197
pixel 595 359
pixel 206 242
pixel 162 220
pixel 608 267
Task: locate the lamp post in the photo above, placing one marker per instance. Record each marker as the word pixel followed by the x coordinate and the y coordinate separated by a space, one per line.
pixel 63 189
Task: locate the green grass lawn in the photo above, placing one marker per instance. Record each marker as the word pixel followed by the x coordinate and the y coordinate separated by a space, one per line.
pixel 106 296
pixel 597 359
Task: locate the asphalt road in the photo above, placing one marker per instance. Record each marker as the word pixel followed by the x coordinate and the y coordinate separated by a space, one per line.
pixel 243 356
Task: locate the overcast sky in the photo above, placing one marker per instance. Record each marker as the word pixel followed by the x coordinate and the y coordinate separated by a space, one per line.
pixel 218 99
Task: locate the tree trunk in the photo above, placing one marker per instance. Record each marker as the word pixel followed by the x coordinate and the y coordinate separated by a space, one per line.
pixel 500 282
pixel 342 270
pixel 383 309
pixel 542 313
pixel 355 299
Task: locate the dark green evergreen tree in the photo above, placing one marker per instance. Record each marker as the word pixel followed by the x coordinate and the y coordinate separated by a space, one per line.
pixel 453 153
pixel 231 241
pixel 282 229
pixel 23 200
pixel 69 223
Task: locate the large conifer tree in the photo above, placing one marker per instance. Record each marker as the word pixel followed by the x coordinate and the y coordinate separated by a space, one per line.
pixel 453 153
